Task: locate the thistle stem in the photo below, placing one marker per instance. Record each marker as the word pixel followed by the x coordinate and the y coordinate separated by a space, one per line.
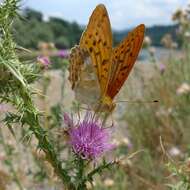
pixel 47 146
pixel 80 175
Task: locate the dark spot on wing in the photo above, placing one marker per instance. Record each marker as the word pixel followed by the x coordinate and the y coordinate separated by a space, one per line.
pixel 102 76
pixel 104 15
pixel 94 43
pixel 128 50
pixel 105 69
pixel 104 62
pixel 97 53
pixel 123 68
pixel 91 49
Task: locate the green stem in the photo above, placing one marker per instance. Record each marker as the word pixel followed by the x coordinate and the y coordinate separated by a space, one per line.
pixel 99 169
pixel 47 146
pixel 62 85
pixel 80 175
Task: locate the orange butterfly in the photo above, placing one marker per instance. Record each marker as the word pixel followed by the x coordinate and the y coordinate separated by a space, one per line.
pixel 98 71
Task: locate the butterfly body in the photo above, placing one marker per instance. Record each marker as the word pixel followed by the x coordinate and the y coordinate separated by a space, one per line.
pixel 97 70
pixel 106 104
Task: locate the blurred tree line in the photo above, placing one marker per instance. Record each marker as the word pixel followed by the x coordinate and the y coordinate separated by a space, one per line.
pixel 156 33
pixel 32 29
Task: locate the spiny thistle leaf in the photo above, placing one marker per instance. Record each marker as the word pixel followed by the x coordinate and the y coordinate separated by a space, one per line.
pixel 11 67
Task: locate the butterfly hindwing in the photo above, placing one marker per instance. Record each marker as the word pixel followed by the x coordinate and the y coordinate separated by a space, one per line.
pixel 97 40
pixel 76 60
pixel 123 59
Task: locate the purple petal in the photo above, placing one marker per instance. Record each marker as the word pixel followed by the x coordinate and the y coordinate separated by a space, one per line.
pixel 89 139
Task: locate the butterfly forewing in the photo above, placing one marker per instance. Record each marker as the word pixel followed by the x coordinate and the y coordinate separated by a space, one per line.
pixel 97 40
pixel 123 59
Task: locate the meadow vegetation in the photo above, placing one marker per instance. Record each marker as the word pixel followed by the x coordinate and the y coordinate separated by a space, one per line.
pixel 152 138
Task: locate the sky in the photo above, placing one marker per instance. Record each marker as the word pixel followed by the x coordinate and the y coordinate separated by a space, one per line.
pixel 123 14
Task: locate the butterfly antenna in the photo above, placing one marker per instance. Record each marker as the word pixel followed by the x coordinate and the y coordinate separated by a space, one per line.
pixel 138 101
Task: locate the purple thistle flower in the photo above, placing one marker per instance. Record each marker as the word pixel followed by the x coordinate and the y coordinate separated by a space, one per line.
pixel 162 68
pixel 62 53
pixel 44 60
pixel 88 138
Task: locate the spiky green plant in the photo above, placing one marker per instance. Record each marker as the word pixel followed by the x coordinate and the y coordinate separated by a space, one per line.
pixel 15 88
